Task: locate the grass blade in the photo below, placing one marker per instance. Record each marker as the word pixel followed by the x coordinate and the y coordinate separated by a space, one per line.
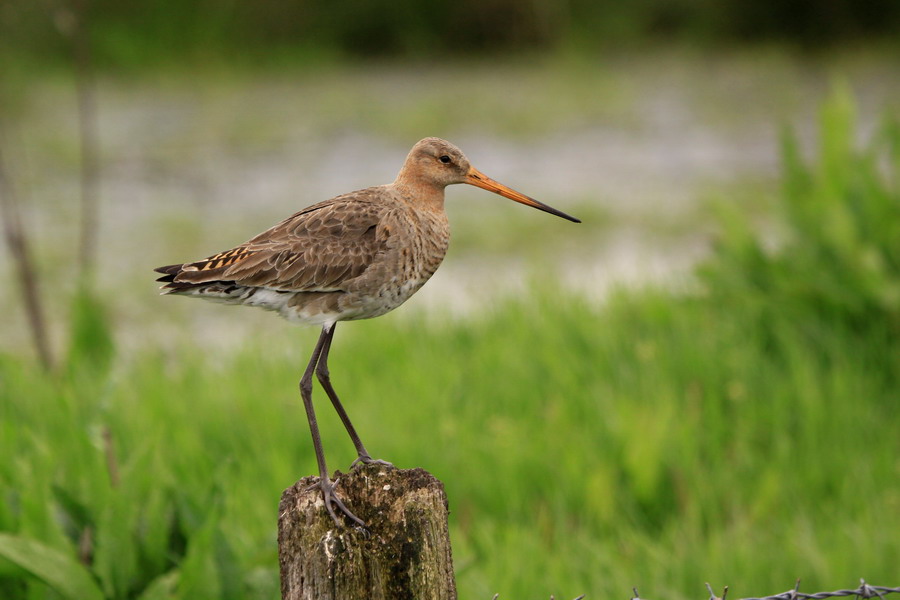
pixel 58 570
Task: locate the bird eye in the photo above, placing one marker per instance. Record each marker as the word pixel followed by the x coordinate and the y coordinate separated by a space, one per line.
pixel 444 159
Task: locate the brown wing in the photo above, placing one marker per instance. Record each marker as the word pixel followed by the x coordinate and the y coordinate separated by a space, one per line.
pixel 317 249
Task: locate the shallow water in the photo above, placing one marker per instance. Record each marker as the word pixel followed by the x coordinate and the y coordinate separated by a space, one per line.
pixel 192 166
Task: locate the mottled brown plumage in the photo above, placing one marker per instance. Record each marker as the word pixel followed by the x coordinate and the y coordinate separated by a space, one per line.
pixel 356 256
pixel 353 257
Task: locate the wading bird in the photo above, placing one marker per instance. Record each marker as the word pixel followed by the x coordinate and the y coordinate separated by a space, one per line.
pixel 356 256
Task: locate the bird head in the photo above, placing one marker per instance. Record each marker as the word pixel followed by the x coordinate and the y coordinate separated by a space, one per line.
pixel 439 163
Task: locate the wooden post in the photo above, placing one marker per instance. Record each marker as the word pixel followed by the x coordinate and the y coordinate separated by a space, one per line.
pixel 404 554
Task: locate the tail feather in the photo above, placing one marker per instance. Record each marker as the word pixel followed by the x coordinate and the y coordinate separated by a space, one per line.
pixel 206 288
pixel 169 272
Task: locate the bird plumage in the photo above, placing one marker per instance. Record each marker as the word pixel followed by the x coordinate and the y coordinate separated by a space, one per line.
pixel 356 256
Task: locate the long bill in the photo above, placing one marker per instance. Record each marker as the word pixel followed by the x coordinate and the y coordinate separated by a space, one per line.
pixel 479 179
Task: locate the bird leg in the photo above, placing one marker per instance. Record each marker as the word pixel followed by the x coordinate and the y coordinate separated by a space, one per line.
pixel 362 455
pixel 325 484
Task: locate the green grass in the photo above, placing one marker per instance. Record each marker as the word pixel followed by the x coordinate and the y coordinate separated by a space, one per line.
pixel 743 434
pixel 653 442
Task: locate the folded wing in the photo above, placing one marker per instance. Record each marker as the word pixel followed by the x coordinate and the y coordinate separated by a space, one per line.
pixel 319 249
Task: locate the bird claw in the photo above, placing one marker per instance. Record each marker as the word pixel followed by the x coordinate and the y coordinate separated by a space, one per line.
pixel 331 500
pixel 368 460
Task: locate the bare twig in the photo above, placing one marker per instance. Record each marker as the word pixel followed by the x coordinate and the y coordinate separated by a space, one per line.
pixel 17 241
pixel 86 546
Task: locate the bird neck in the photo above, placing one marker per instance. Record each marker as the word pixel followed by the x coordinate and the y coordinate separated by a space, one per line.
pixel 420 192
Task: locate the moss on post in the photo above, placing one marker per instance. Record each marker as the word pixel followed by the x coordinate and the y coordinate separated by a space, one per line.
pixel 404 554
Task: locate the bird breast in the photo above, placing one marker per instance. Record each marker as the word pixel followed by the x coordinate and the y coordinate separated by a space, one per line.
pixel 415 245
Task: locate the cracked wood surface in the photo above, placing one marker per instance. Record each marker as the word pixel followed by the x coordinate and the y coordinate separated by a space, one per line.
pixel 405 553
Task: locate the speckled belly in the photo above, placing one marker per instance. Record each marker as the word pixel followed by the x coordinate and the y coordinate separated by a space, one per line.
pixel 417 250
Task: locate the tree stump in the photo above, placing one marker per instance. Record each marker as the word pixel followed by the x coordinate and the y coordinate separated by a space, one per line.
pixel 404 554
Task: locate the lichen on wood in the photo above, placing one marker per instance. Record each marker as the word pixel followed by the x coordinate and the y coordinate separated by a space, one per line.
pixel 403 553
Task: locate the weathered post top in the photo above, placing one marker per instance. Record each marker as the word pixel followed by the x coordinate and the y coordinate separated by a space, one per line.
pixel 404 555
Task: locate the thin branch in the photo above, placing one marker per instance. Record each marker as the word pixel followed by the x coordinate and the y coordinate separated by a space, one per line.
pixel 17 241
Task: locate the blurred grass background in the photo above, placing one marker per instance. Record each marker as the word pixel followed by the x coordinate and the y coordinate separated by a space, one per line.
pixel 699 383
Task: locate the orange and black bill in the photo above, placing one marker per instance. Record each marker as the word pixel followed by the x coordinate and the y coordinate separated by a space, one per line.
pixel 479 179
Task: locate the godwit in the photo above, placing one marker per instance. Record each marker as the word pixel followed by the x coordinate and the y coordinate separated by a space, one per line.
pixel 356 256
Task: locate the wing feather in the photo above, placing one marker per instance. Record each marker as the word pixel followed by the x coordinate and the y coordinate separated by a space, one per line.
pixel 320 248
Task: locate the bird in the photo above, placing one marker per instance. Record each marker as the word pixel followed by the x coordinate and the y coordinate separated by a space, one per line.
pixel 356 256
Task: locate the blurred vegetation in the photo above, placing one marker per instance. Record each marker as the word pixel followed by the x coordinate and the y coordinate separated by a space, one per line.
pixel 832 257
pixel 739 434
pixel 144 32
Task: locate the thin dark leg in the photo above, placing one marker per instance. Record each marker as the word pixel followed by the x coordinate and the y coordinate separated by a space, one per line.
pixel 306 393
pixel 325 379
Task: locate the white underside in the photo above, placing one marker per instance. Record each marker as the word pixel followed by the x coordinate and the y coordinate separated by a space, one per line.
pixel 279 301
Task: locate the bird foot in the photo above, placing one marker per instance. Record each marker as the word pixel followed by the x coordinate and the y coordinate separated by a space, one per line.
pixel 331 501
pixel 368 460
